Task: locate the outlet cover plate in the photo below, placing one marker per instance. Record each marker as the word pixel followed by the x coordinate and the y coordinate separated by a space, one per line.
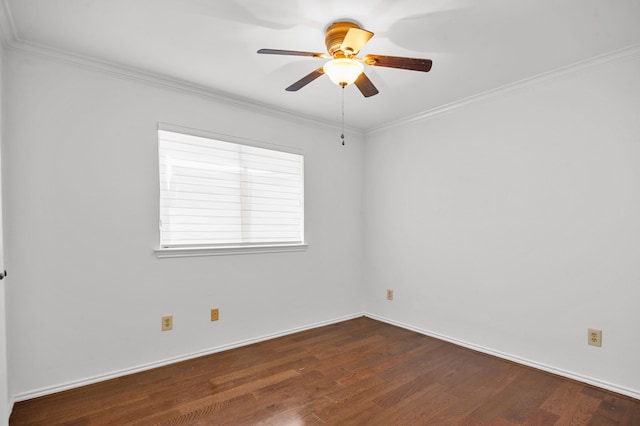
pixel 167 323
pixel 595 337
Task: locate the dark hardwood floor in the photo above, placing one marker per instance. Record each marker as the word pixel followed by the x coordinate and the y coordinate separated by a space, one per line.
pixel 358 372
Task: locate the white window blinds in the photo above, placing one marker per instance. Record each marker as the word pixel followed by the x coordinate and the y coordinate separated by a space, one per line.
pixel 216 193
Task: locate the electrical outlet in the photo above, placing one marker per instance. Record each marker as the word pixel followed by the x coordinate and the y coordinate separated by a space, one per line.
pixel 167 323
pixel 389 294
pixel 595 337
pixel 215 314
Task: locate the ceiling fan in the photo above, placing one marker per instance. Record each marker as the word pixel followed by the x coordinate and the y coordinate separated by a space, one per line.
pixel 344 40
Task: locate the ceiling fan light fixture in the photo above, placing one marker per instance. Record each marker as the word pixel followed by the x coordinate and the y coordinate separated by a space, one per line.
pixel 343 71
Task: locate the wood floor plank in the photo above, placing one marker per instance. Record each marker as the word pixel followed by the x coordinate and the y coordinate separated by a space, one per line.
pixel 473 394
pixel 581 412
pixel 357 372
pixel 612 408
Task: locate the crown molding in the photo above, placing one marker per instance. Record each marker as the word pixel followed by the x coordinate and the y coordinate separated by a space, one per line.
pixel 11 41
pixel 625 53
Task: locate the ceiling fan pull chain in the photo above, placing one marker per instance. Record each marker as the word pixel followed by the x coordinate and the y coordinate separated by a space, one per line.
pixel 342 135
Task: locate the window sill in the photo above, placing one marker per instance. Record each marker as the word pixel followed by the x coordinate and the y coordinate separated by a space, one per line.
pixel 221 251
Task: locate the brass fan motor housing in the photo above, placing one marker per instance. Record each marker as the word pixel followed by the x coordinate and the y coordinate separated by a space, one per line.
pixel 335 35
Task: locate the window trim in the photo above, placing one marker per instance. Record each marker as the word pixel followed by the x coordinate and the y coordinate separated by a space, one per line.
pixel 227 250
pixel 231 249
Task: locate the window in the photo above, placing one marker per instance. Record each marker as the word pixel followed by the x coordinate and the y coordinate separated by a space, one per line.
pixel 216 193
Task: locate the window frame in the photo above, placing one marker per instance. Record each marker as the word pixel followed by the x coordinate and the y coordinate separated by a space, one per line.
pixel 224 249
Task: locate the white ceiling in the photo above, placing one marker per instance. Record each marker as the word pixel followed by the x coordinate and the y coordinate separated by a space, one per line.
pixel 475 46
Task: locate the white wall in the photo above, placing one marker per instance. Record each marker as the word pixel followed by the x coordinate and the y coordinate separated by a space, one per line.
pixel 81 203
pixel 4 392
pixel 512 224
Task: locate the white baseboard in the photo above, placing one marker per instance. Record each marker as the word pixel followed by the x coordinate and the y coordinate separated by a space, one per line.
pixel 99 378
pixel 102 377
pixel 560 372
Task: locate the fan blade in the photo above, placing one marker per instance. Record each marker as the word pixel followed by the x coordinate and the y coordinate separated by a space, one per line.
pixel 291 53
pixel 305 80
pixel 355 39
pixel 414 64
pixel 365 86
